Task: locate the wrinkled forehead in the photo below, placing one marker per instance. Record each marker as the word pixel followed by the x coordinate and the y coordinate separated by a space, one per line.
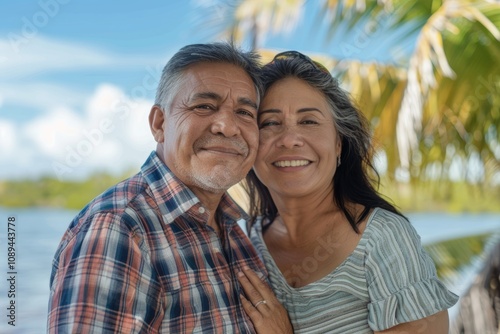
pixel 219 75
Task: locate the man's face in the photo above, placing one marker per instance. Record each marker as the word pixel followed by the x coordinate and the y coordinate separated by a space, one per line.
pixel 208 136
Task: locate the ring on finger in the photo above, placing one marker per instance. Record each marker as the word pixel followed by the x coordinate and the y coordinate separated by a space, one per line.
pixel 263 301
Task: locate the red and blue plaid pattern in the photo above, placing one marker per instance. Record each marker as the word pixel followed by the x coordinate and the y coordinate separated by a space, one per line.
pixel 140 259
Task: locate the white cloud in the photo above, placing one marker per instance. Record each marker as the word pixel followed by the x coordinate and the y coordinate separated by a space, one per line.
pixel 7 137
pixel 112 135
pixel 103 102
pixel 14 152
pixel 46 54
pixel 41 95
pixel 46 133
pixel 73 133
pixel 23 57
pixel 24 69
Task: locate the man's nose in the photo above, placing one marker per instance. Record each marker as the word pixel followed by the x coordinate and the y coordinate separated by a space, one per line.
pixel 225 123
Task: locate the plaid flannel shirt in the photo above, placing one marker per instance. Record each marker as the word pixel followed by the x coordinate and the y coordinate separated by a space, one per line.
pixel 140 259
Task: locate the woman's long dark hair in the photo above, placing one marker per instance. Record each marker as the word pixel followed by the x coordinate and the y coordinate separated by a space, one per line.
pixel 352 182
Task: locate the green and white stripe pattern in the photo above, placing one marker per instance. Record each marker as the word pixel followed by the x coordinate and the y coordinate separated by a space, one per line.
pixel 388 279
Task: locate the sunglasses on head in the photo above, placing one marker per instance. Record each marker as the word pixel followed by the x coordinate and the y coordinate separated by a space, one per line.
pixel 295 54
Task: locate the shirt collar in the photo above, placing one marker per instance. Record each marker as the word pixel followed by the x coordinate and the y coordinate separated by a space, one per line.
pixel 174 198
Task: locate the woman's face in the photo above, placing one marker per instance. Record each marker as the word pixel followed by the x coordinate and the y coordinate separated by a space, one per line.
pixel 298 142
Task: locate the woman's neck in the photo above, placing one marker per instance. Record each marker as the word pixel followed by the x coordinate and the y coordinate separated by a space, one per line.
pixel 307 216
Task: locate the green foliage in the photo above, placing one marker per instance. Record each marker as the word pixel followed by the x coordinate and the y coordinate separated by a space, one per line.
pixel 409 197
pixel 453 256
pixel 443 99
pixel 441 196
pixel 51 192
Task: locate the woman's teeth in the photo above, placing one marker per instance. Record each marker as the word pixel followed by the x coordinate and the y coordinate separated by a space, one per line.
pixel 291 163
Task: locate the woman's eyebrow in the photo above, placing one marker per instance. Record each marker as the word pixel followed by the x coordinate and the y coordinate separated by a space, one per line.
pixel 301 110
pixel 269 111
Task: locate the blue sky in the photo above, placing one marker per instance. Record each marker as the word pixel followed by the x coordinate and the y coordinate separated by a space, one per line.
pixel 77 78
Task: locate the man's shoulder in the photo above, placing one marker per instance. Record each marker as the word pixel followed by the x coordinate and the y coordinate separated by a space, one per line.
pixel 114 202
pixel 120 196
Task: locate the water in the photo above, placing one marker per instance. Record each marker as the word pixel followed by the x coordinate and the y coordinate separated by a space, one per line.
pixel 38 232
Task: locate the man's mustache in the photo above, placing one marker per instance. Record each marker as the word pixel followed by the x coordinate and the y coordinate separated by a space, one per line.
pixel 237 145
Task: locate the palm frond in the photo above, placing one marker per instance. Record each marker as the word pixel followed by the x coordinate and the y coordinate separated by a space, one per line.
pixel 439 106
pixel 431 60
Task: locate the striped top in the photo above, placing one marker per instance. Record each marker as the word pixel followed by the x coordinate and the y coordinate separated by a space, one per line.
pixel 140 259
pixel 387 280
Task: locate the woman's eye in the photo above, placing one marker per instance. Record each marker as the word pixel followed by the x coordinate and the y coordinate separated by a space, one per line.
pixel 308 121
pixel 267 123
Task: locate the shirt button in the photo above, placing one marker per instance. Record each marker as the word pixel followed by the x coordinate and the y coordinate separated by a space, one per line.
pixel 201 210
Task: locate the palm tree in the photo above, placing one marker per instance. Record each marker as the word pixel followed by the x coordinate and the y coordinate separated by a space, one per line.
pixel 441 105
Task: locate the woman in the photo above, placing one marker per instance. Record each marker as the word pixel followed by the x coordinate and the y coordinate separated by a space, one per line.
pixel 341 259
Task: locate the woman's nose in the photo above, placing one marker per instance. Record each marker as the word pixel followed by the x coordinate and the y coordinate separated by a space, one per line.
pixel 289 138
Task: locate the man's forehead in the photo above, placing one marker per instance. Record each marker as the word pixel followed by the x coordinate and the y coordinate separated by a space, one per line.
pixel 224 75
pixel 209 71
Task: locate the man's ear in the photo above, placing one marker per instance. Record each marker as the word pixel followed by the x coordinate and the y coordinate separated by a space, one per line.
pixel 156 123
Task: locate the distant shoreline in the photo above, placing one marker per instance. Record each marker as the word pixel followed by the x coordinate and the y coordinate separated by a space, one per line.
pixel 438 196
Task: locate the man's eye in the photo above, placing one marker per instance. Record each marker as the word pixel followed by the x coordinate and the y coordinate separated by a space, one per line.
pixel 204 107
pixel 245 112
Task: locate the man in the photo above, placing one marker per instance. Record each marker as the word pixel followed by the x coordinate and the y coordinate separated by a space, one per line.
pixel 160 252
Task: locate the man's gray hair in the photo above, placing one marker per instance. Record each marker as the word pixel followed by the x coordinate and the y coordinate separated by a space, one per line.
pixel 219 52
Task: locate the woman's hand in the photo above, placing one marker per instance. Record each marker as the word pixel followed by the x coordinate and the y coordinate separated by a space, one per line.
pixel 262 306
